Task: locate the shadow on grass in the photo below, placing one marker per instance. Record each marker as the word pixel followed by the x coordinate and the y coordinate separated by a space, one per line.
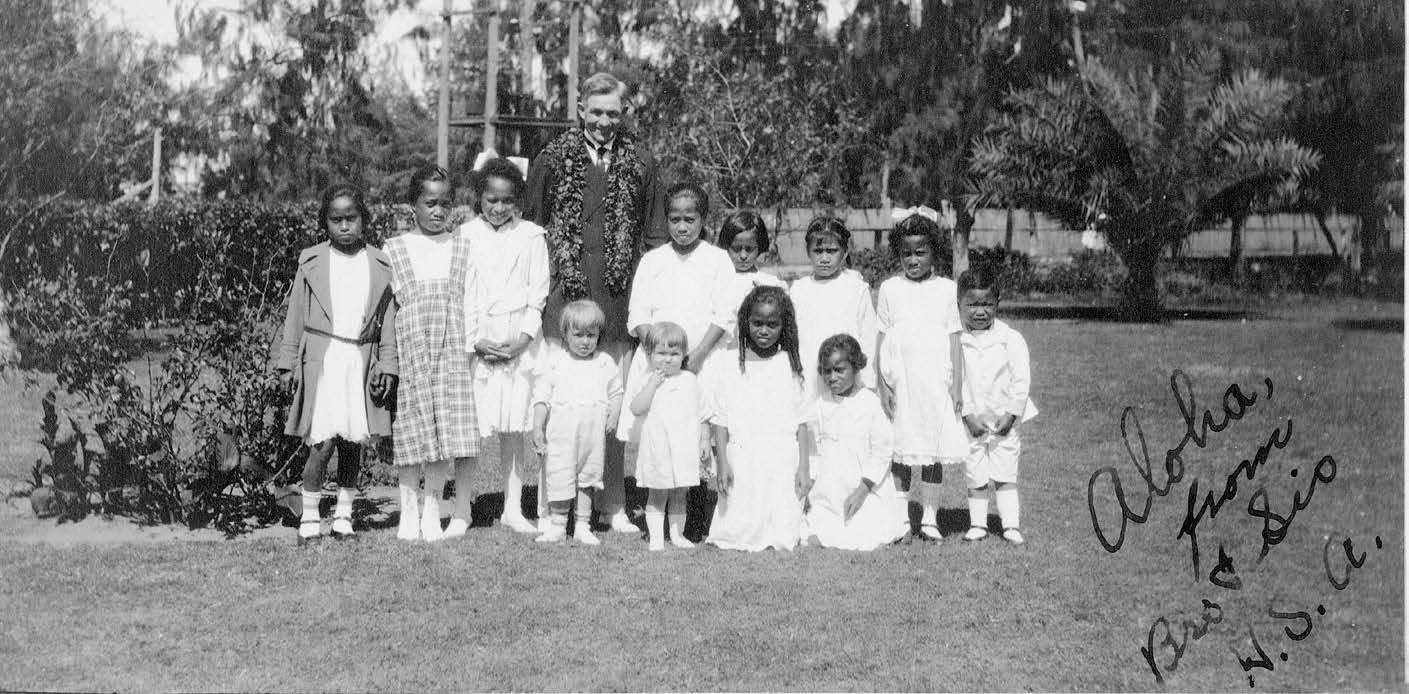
pixel 1391 324
pixel 1113 314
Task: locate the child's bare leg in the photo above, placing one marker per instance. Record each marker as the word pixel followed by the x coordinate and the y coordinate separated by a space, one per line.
pixel 408 478
pixel 656 500
pixel 430 507
pixel 464 497
pixel 582 528
pixel 310 523
pixel 349 465
pixel 511 457
pixel 675 511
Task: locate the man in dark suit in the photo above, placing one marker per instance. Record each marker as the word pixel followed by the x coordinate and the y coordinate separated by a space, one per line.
pixel 599 196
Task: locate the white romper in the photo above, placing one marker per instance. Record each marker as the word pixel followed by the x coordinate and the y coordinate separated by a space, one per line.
pixel 579 394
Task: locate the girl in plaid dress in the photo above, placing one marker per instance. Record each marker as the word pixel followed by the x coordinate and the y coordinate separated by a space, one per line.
pixel 435 415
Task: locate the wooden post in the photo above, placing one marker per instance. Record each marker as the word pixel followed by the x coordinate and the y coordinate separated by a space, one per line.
pixel 155 194
pixel 491 79
pixel 442 126
pixel 526 9
pixel 574 48
pixel 1008 230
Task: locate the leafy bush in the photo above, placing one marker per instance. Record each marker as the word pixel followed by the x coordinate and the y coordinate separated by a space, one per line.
pixel 194 436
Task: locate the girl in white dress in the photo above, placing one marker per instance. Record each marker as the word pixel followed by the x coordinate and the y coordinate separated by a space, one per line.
pixel 759 420
pixel 833 300
pixel 919 362
pixel 853 502
pixel 509 275
pixel 681 282
pixel 674 435
pixel 576 396
pixel 338 355
pixel 744 236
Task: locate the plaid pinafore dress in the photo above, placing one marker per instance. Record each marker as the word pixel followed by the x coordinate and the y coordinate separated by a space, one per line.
pixel 435 405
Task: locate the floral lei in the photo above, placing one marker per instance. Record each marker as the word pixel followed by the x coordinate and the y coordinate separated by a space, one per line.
pixel 569 154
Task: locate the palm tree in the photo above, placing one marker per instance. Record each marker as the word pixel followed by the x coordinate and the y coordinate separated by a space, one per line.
pixel 1145 155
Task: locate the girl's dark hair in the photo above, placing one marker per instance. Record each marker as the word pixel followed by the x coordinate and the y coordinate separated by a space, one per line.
pixel 741 222
pixel 498 167
pixel 828 226
pixel 692 190
pixel 423 175
pixel 777 296
pixel 847 346
pixel 916 225
pixel 980 277
pixel 342 190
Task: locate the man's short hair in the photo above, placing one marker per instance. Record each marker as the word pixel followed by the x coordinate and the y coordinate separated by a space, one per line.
pixel 602 83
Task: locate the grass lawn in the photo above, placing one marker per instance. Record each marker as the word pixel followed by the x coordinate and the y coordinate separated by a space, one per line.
pixel 495 611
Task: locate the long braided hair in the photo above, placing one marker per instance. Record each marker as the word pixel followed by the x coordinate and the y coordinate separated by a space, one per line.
pixel 787 340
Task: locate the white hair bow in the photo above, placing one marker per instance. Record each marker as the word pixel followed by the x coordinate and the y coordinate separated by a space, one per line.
pixel 899 215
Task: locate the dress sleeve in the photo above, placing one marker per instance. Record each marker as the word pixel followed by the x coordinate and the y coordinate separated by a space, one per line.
pixel 723 314
pixel 544 380
pixel 884 316
pixel 703 404
pixel 867 332
pixel 882 447
pixel 638 310
pixel 952 321
pixel 614 387
pixel 538 281
pixel 718 399
pixel 1020 383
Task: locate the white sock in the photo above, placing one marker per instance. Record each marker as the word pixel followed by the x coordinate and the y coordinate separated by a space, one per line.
pixel 1006 499
pixel 344 507
pixel 310 505
pixel 655 529
pixel 929 515
pixel 978 511
pixel 407 479
pixel 677 530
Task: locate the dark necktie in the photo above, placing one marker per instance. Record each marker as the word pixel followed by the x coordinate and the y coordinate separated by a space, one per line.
pixel 603 152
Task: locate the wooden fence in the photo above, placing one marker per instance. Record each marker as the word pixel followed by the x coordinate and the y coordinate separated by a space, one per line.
pixel 1043 238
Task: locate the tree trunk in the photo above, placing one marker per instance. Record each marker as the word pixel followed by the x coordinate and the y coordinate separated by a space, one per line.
pixel 9 352
pixel 963 224
pixel 1140 299
pixel 1374 248
pixel 1236 266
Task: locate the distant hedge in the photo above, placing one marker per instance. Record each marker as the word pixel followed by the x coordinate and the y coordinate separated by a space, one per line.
pixel 158 255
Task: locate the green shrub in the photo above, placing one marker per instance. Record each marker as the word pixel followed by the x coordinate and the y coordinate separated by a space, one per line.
pixel 199 441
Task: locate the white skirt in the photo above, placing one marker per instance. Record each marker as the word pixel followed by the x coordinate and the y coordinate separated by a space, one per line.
pixel 761 509
pixel 339 403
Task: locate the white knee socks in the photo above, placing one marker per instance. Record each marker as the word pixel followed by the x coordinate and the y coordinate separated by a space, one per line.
pixel 309 525
pixel 1006 499
pixel 408 483
pixel 655 529
pixel 978 509
pixel 430 507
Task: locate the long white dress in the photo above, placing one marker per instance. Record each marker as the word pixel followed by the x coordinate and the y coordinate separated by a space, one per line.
pixel 684 289
pixel 339 407
pixel 918 319
pixel 509 282
pixel 854 441
pixel 762 408
pixel 825 308
pixel 579 394
pixel 670 434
